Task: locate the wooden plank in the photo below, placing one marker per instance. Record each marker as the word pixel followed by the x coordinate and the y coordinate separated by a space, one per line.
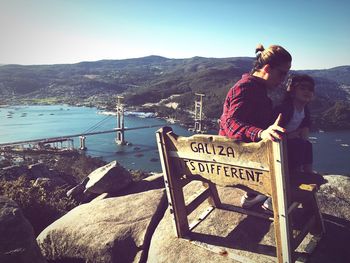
pixel 319 219
pixel 280 205
pixel 221 160
pixel 197 200
pixel 221 150
pixel 225 174
pixel 249 212
pixel 202 216
pixel 300 237
pixel 214 198
pixel 173 187
pixel 204 157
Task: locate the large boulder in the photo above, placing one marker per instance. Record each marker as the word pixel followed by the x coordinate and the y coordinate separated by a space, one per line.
pixel 110 178
pixel 334 203
pixel 17 240
pixel 218 238
pixel 154 181
pixel 109 230
pixel 231 237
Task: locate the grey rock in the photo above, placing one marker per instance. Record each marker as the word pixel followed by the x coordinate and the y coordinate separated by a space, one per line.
pixel 17 240
pixel 78 190
pixel 334 196
pixel 154 181
pixel 109 178
pixel 252 239
pixel 109 230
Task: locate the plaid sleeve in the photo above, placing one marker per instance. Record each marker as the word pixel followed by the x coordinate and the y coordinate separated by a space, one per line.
pixel 234 123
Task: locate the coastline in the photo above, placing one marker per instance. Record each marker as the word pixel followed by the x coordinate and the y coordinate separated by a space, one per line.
pixel 326 156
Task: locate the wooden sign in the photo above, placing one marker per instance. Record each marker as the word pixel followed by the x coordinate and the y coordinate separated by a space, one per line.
pixel 222 161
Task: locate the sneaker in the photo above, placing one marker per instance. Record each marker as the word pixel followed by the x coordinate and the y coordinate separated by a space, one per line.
pixel 267 205
pixel 249 201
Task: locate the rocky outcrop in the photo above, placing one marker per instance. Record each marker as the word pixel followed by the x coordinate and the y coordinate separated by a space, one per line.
pixel 230 237
pixel 109 230
pixel 223 236
pixel 110 178
pixel 334 196
pixel 17 240
pixel 128 224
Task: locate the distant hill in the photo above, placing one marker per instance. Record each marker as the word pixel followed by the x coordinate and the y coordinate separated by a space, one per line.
pixel 148 80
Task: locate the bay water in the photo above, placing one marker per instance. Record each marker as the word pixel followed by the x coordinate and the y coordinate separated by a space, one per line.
pixel 17 123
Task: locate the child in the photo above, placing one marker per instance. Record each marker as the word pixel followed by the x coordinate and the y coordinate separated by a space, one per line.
pixel 296 120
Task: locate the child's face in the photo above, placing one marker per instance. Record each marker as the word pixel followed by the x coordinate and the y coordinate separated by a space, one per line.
pixel 304 92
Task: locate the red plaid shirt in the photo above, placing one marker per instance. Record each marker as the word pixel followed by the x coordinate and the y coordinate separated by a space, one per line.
pixel 247 110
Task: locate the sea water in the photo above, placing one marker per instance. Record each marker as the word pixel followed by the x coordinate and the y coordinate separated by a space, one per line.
pixel 17 123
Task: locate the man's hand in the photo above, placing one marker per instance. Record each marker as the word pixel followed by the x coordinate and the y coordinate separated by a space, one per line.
pixel 273 132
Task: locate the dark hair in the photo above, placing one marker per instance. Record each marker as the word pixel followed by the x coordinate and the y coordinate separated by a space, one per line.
pixel 293 81
pixel 273 55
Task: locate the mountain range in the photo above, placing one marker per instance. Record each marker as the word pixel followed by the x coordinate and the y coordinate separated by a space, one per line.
pixel 152 79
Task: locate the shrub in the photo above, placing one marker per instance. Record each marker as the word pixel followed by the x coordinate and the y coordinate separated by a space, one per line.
pixel 79 166
pixel 41 204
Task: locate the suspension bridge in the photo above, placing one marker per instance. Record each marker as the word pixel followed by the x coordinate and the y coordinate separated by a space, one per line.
pixel 66 141
pixel 58 142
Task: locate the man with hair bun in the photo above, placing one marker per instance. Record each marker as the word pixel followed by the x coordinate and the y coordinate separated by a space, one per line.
pixel 247 111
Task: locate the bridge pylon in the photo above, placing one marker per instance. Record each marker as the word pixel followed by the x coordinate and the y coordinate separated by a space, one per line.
pixel 82 143
pixel 198 113
pixel 120 139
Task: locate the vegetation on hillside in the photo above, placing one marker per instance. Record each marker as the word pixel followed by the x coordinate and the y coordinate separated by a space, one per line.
pixel 44 200
pixel 337 117
pixel 41 205
pixel 150 80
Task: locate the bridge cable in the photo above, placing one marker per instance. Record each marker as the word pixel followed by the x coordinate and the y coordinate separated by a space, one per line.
pixel 98 124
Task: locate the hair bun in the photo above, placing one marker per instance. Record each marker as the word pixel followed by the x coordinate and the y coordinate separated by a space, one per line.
pixel 259 48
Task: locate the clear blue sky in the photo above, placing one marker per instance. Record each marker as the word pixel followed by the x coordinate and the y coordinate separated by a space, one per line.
pixel 316 32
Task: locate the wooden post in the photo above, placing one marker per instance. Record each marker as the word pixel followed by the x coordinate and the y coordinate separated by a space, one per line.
pixel 280 203
pixel 173 187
